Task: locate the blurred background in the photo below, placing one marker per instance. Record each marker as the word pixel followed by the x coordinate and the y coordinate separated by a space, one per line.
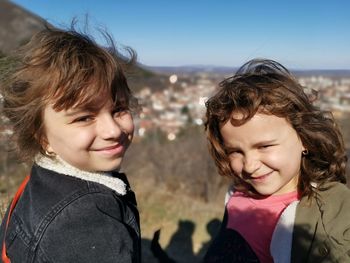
pixel 185 48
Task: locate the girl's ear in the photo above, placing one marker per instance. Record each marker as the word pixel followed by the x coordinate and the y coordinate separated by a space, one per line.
pixel 304 150
pixel 48 149
pixel 44 143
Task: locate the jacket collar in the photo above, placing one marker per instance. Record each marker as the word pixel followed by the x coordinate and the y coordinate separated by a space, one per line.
pixel 58 165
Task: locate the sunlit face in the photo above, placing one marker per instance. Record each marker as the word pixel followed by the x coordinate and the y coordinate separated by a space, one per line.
pixel 265 152
pixel 89 140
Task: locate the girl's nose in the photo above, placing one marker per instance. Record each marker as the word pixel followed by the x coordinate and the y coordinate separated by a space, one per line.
pixel 251 163
pixel 108 128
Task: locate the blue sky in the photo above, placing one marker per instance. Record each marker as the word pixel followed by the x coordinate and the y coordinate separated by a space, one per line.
pixel 301 34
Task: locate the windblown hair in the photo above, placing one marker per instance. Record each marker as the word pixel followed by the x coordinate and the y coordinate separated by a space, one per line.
pixel 265 86
pixel 67 69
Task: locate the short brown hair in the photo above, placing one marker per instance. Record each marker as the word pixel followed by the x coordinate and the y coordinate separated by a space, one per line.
pixel 266 86
pixel 66 68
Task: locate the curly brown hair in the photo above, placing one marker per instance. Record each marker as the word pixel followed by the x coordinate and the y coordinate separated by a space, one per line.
pixel 266 86
pixel 67 69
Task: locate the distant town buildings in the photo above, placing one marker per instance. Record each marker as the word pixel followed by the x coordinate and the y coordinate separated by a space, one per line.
pixel 182 101
pixel 333 93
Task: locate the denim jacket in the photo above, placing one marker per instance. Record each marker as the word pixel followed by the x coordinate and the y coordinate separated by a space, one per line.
pixel 61 218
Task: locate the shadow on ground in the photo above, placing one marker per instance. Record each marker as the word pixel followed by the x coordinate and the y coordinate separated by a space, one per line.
pixel 180 247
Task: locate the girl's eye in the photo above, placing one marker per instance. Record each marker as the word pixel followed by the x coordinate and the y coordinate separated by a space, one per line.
pixel 266 146
pixel 84 118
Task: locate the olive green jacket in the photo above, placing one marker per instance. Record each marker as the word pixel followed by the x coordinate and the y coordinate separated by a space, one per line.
pixel 322 227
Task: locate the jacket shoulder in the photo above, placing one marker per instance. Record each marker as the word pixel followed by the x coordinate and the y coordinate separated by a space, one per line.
pixel 322 228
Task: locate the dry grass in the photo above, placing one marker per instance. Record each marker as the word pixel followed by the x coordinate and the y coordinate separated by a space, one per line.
pixel 4 201
pixel 161 209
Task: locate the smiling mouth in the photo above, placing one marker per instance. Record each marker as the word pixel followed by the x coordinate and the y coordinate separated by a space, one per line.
pixel 110 147
pixel 260 178
pixel 112 150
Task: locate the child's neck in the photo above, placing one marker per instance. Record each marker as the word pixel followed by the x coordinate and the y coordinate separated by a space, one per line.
pixel 58 165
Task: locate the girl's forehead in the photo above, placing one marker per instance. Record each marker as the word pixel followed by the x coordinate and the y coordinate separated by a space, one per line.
pixel 239 118
pixel 245 114
pixel 94 104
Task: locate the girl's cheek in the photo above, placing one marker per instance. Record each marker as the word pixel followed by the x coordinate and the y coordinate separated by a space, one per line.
pixel 274 160
pixel 236 165
pixel 84 137
pixel 127 123
pixel 130 124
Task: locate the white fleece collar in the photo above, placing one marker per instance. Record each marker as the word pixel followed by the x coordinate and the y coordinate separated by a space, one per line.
pixel 59 166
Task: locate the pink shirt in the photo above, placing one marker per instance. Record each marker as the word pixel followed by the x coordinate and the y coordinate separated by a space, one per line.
pixel 255 219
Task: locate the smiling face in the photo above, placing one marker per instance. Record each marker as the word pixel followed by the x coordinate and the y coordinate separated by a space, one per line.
pixel 265 152
pixel 91 140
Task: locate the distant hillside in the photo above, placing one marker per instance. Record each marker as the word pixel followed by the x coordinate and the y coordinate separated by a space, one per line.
pixel 331 73
pixel 17 25
pixel 192 69
pixel 221 70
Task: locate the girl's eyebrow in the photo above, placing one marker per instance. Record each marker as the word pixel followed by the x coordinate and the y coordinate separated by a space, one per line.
pixel 70 113
pixel 79 110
